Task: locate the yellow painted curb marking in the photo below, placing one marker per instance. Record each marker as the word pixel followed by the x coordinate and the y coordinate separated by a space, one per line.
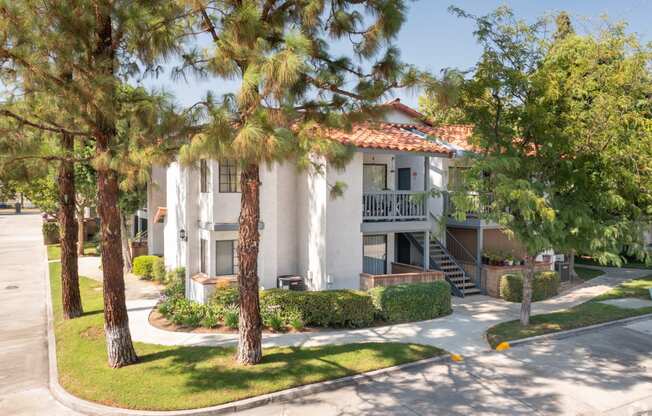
pixel 503 346
pixel 457 358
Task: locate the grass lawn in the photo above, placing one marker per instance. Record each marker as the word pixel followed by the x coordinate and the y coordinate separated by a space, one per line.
pixel 171 378
pixel 588 313
pixel 629 265
pixel 587 274
pixel 54 250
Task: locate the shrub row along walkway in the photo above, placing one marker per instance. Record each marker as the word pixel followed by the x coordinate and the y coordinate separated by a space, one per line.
pixel 461 332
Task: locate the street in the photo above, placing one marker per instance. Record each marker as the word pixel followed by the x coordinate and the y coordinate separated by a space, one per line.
pixel 606 371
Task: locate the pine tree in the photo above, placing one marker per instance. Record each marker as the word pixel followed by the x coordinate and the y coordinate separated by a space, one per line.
pixel 291 90
pixel 102 44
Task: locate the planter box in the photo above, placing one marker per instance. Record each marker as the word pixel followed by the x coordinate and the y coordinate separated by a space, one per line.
pixel 368 281
pixel 491 275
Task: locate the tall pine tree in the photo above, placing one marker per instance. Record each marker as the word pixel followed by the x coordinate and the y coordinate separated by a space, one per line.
pixel 82 52
pixel 291 90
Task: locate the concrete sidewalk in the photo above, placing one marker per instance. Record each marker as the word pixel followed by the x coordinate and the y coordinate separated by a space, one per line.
pixel 23 338
pixel 461 332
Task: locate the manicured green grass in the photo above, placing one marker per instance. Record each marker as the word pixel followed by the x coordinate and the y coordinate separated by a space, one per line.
pixel 588 313
pixel 587 274
pixel 170 378
pixel 630 265
pixel 54 250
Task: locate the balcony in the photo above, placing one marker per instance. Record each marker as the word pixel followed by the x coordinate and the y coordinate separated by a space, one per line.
pixel 392 206
pixel 474 216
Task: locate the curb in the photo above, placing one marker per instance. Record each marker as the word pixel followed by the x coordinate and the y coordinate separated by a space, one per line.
pixel 89 408
pixel 578 331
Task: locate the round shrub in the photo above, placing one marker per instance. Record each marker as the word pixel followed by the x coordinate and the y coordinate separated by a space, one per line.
pixel 329 308
pixel 225 296
pixel 143 266
pixel 51 232
pixel 158 269
pixel 412 302
pixel 544 286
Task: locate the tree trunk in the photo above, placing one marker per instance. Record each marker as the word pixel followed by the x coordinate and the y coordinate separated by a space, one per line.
pixel 126 253
pixel 70 296
pixel 571 265
pixel 526 304
pixel 120 349
pixel 249 345
pixel 81 236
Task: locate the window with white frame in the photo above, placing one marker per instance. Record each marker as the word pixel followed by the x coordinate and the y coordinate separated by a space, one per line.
pixel 229 177
pixel 226 257
pixel 203 249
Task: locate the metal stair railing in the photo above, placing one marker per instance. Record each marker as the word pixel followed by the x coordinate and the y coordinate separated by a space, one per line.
pixel 416 243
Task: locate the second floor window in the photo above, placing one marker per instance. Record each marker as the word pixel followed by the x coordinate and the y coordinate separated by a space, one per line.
pixel 229 177
pixel 203 175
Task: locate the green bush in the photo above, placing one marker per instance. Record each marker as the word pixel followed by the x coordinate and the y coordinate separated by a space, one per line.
pixel 51 232
pixel 225 296
pixel 330 308
pixel 143 266
pixel 232 317
pixel 182 311
pixel 412 302
pixel 544 286
pixel 158 270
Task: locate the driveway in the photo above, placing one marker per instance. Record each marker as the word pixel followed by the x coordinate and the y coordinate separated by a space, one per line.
pixel 23 336
pixel 606 371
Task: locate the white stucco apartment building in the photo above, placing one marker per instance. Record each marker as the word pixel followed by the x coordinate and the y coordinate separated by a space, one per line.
pixel 378 226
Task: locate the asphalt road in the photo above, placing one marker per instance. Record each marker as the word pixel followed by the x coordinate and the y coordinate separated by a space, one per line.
pixel 606 371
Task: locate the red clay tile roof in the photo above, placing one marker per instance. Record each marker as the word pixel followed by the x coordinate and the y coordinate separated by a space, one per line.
pixel 458 135
pixel 390 136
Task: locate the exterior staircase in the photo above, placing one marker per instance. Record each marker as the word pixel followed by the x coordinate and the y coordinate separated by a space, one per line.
pixel 440 259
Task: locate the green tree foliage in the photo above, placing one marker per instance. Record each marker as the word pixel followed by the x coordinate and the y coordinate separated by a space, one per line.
pixel 565 131
pixel 290 90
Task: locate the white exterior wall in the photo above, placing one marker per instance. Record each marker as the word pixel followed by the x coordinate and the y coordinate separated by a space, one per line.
pixel 343 236
pixel 156 197
pixel 439 181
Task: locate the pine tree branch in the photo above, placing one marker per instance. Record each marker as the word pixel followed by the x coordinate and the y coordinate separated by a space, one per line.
pixel 54 128
pixel 210 27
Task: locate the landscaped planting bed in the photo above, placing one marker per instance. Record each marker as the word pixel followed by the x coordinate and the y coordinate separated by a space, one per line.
pixel 173 378
pixel 284 310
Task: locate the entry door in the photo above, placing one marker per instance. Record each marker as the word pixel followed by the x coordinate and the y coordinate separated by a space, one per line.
pixel 374 254
pixel 404 179
pixel 403 249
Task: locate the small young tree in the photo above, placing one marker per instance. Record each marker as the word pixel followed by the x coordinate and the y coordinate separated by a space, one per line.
pixel 563 129
pixel 291 90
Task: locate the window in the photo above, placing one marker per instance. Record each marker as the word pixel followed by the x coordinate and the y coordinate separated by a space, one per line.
pixel 229 177
pixel 374 252
pixel 226 263
pixel 374 177
pixel 203 246
pixel 203 174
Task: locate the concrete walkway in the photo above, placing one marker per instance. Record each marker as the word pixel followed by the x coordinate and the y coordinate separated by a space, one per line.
pixel 23 337
pixel 461 332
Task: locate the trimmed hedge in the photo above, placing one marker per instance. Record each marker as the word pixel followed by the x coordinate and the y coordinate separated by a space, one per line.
pixel 158 270
pixel 143 266
pixel 329 308
pixel 412 302
pixel 544 286
pixel 51 232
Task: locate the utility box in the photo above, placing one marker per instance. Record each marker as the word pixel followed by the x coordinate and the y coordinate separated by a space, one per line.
pixel 290 282
pixel 563 269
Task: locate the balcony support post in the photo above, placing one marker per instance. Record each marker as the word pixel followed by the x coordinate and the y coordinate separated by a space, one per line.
pixel 426 250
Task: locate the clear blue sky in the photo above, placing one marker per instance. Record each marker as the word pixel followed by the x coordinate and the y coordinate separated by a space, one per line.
pixel 433 39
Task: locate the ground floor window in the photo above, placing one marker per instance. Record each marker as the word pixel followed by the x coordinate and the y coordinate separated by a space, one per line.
pixel 226 262
pixel 374 254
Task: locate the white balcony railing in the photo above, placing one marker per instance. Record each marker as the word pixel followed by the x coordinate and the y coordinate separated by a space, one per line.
pixel 394 206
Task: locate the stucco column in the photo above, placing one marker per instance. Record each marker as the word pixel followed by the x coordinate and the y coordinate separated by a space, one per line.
pixel 478 256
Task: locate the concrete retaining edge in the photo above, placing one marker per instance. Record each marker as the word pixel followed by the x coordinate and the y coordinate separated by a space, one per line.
pixel 95 409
